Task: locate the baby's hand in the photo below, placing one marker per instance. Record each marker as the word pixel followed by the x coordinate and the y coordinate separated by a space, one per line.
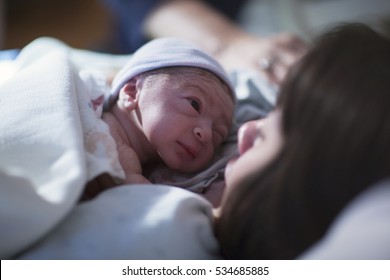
pixel 97 185
pixel 105 181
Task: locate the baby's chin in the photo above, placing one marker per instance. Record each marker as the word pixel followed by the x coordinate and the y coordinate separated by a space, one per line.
pixel 187 169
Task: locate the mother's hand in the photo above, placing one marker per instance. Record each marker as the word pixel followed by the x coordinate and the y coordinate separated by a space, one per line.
pixel 269 56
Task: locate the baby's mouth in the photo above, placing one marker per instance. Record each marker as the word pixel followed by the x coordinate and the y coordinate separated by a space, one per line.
pixel 188 150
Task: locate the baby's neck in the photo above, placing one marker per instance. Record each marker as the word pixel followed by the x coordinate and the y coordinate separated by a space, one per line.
pixel 126 130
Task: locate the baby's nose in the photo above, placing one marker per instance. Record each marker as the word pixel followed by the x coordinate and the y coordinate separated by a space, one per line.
pixel 203 134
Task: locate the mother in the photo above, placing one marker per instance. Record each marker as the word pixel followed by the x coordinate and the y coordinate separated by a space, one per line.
pixel 327 141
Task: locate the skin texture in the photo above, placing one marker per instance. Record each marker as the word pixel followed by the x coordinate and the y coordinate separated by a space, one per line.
pixel 179 119
pixel 259 142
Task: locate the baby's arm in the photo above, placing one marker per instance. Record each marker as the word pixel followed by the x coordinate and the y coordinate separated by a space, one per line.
pixel 128 158
pixel 131 165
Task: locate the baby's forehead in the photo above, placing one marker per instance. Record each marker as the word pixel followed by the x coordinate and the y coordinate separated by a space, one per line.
pixel 195 76
pixel 168 52
pixel 212 88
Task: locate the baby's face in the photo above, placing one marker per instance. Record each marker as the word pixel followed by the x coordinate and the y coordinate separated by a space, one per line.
pixel 186 119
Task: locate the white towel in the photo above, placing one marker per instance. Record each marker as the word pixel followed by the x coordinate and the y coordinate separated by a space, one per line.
pixel 42 165
pixel 51 143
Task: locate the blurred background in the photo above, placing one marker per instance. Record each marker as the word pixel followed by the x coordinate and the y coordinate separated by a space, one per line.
pixel 86 23
pixel 79 23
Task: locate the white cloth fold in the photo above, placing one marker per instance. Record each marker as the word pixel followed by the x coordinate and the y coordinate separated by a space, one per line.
pixel 51 144
pixel 134 222
pixel 42 160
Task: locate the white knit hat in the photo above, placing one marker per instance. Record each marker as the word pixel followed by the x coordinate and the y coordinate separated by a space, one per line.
pixel 166 52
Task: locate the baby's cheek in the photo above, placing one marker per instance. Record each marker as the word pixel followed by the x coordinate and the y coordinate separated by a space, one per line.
pixel 206 158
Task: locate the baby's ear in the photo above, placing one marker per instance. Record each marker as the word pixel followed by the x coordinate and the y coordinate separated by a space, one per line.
pixel 128 95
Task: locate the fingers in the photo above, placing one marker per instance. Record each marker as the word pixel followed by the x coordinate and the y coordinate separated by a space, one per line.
pixel 284 50
pixel 291 43
pixel 288 48
pixel 271 56
pixel 275 74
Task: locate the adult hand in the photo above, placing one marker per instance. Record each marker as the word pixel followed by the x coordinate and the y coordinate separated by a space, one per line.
pixel 196 21
pixel 269 56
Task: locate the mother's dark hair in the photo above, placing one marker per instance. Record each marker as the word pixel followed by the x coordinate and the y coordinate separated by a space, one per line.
pixel 336 130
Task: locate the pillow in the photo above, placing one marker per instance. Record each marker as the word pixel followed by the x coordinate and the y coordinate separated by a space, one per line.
pixel 134 222
pixel 361 230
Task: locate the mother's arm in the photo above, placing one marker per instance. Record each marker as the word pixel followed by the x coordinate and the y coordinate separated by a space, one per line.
pixel 196 21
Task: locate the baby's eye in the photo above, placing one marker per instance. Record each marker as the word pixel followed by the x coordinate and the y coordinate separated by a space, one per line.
pixel 195 104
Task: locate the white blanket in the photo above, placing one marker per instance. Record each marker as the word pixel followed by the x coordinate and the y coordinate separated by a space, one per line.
pixel 42 162
pixel 133 222
pixel 51 144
